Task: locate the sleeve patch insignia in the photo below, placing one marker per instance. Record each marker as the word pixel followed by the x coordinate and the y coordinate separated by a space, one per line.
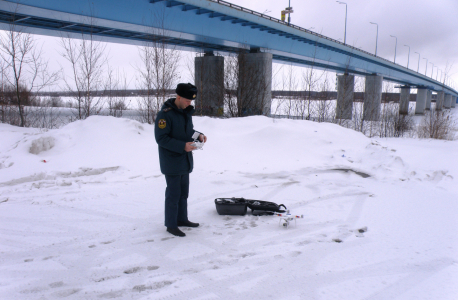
pixel 162 123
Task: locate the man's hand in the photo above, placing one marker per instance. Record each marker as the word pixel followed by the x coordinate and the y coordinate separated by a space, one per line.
pixel 188 147
pixel 202 138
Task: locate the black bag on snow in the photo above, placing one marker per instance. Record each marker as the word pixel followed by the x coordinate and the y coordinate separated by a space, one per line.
pixel 238 206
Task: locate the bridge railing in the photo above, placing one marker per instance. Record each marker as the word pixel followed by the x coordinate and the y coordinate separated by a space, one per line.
pixel 240 8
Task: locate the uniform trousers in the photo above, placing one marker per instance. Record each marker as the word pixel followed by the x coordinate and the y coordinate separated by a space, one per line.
pixel 176 199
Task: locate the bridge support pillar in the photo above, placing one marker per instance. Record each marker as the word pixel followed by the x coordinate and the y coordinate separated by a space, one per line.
pixel 345 96
pixel 453 101
pixel 372 98
pixel 420 105
pixel 404 101
pixel 255 83
pixel 440 100
pixel 448 101
pixel 209 79
pixel 429 96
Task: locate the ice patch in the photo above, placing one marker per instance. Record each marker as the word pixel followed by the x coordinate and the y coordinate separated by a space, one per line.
pixel 42 144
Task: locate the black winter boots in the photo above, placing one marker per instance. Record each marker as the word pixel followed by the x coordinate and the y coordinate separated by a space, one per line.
pixel 175 231
pixel 188 224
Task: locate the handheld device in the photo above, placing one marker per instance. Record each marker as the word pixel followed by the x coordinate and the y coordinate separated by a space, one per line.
pixel 197 144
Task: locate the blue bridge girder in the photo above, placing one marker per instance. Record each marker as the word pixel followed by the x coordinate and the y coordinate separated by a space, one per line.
pixel 202 26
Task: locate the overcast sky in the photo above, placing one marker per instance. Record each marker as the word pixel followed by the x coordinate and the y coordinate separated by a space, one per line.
pixel 429 27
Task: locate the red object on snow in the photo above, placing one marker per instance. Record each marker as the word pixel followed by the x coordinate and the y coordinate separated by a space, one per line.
pixel 43 160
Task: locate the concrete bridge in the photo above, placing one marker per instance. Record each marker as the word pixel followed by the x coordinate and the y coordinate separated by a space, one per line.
pixel 210 26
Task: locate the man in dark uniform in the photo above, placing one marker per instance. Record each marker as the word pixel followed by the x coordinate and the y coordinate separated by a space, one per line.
pixel 173 132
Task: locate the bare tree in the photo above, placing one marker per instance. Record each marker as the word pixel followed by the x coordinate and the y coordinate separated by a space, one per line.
pixel 388 112
pixel 310 83
pixel 392 123
pixel 24 68
pixel 231 65
pixel 277 102
pixel 158 72
pixel 88 62
pixel 16 104
pixel 286 105
pixel 46 115
pixel 358 110
pixel 147 104
pixel 115 95
pixel 437 125
pixel 3 103
pixel 325 111
pixel 447 70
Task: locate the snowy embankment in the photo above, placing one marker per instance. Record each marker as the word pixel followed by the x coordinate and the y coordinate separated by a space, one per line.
pixel 81 212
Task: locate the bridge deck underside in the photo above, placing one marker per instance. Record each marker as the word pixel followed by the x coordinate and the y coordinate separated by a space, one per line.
pixel 199 25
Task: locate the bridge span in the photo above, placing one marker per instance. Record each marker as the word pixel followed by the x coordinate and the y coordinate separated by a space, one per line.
pixel 216 26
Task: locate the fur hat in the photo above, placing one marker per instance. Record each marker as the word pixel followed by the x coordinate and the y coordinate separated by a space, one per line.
pixel 186 90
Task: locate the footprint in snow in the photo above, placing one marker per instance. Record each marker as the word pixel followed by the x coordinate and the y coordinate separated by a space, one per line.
pixel 56 284
pixel 295 253
pixel 360 232
pixel 111 295
pixel 154 286
pixel 132 270
pixel 66 293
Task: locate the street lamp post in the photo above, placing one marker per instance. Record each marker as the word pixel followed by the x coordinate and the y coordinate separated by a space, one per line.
pixel 345 35
pixel 440 77
pixel 426 69
pixel 418 69
pixel 395 46
pixel 289 15
pixel 376 40
pixel 408 57
pixel 432 69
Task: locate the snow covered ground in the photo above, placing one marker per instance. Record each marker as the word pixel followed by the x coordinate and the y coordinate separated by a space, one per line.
pixel 81 212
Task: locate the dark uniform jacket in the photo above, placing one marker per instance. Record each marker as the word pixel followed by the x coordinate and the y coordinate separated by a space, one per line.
pixel 173 129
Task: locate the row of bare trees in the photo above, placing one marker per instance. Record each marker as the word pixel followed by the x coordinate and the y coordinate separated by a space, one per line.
pixel 438 124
